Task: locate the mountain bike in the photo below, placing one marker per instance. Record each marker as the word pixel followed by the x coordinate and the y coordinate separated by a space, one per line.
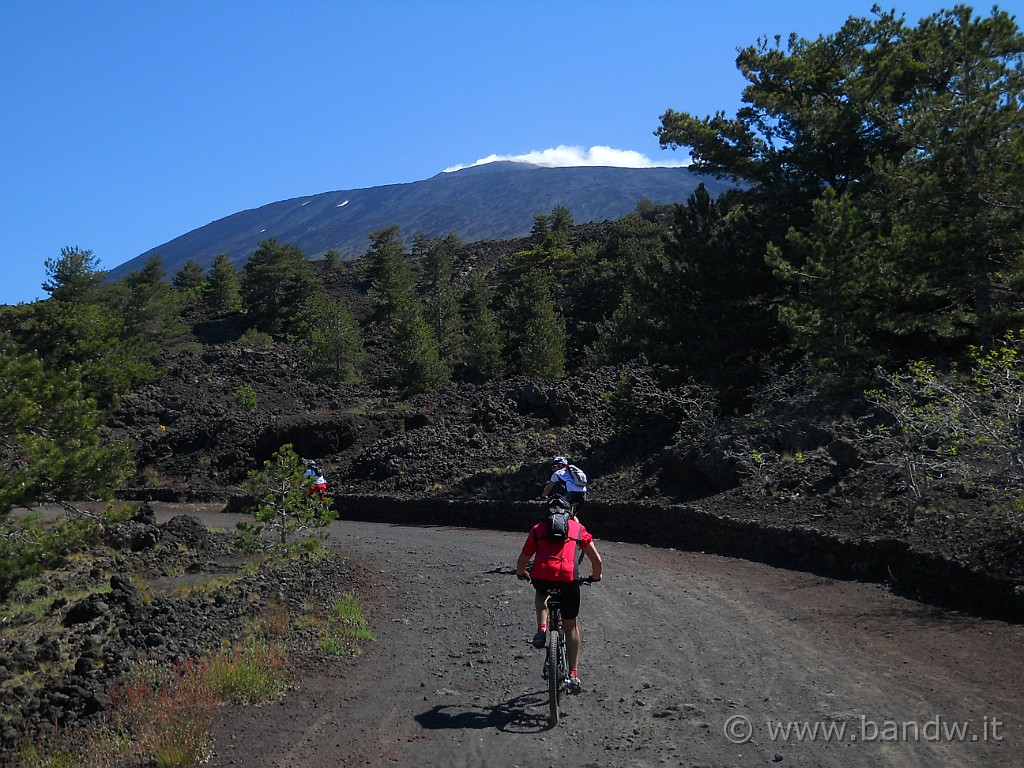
pixel 556 662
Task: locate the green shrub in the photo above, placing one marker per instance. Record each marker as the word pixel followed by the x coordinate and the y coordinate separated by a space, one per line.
pixel 28 547
pixel 256 338
pixel 245 397
pixel 171 721
pixel 251 674
pixel 348 625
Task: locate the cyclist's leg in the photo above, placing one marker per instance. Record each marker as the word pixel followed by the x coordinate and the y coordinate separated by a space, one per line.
pixel 570 610
pixel 541 604
pixel 541 587
pixel 577 499
pixel 573 641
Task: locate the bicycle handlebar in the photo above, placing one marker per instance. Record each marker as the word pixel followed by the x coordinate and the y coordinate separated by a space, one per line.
pixel 578 580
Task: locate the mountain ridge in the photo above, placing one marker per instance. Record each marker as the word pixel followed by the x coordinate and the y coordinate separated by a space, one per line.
pixel 493 201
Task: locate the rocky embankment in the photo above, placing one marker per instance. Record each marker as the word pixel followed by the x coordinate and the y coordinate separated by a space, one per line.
pixel 151 593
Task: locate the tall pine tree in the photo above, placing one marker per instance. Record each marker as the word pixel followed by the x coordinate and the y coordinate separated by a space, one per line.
pixel 276 280
pixel 534 329
pixel 482 356
pixel 223 292
pixel 330 338
pixel 391 275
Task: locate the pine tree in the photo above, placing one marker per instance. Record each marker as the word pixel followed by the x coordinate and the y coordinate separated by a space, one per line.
pixel 623 292
pixel 391 276
pixel 443 310
pixel 535 331
pixel 955 201
pixel 282 504
pixel 151 308
pixel 482 355
pixel 104 334
pixel 332 259
pixel 561 227
pixel 276 280
pixel 222 288
pixel 440 257
pixel 74 276
pixel 827 318
pixel 418 363
pixel 330 337
pixel 190 278
pixel 915 132
pixel 49 423
pixel 445 317
pixel 421 243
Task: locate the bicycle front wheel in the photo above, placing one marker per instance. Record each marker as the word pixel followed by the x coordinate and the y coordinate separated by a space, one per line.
pixel 555 674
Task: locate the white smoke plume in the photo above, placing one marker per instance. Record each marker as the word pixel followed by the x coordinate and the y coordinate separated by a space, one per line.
pixel 564 156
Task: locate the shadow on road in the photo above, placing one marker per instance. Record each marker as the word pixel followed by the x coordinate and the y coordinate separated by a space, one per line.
pixel 512 716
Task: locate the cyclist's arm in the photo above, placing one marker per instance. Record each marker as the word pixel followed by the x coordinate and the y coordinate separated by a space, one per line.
pixel 590 550
pixel 529 548
pixel 524 560
pixel 547 490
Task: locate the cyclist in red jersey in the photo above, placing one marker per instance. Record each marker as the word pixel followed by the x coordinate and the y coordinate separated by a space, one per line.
pixel 317 483
pixel 555 565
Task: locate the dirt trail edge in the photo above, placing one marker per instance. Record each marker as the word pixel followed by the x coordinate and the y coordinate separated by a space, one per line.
pixel 688 659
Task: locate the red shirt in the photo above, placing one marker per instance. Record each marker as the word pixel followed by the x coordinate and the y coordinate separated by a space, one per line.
pixel 555 560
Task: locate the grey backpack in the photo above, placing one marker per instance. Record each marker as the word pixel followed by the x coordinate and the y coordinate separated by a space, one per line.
pixel 578 476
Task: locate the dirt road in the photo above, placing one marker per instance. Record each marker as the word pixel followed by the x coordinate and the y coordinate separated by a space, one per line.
pixel 688 659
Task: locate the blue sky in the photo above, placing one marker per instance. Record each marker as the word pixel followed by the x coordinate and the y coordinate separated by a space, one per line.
pixel 127 124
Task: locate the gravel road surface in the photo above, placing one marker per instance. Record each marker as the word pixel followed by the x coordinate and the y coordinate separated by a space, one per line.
pixel 688 660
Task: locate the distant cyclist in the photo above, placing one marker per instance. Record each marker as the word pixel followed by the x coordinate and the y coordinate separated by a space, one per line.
pixel 568 481
pixel 317 483
pixel 555 566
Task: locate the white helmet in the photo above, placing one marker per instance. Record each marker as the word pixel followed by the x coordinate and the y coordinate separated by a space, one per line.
pixel 559 461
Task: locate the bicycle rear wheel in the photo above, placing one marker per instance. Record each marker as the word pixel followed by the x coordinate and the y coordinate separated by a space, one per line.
pixel 563 667
pixel 555 674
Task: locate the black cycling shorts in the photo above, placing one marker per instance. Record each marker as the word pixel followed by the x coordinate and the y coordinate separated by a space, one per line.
pixel 579 498
pixel 570 595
